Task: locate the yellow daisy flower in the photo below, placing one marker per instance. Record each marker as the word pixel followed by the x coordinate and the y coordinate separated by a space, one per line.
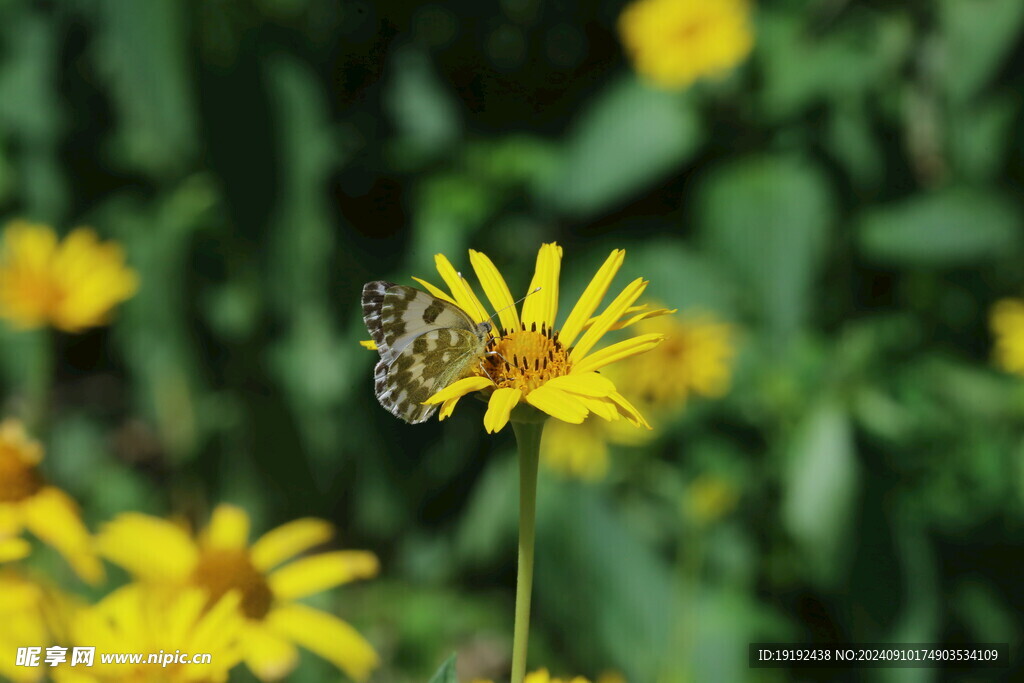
pixel 542 676
pixel 158 552
pixel 28 502
pixel 555 371
pixel 1007 323
pixel 695 358
pixel 142 619
pixel 674 42
pixel 71 285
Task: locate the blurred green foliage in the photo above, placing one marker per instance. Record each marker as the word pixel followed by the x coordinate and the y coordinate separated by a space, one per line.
pixel 849 198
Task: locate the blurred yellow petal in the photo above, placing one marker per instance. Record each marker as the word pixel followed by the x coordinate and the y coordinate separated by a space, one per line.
pixel 585 383
pixel 148 547
pixel 288 540
pixel 321 572
pixel 368 344
pixel 542 307
pixel 268 655
pixel 592 297
pixel 496 290
pixel 436 291
pixel 611 314
pixel 462 387
pixel 463 293
pixel 54 518
pixel 499 407
pixel 557 404
pixel 618 351
pixel 14 549
pixel 327 636
pixel 228 528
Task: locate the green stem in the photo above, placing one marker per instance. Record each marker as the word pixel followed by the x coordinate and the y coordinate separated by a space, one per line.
pixel 528 438
pixel 40 383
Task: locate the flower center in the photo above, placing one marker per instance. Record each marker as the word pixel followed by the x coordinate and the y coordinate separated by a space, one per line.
pixel 220 571
pixel 18 479
pixel 526 358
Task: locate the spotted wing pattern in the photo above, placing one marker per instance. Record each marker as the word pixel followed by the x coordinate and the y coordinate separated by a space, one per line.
pixel 425 344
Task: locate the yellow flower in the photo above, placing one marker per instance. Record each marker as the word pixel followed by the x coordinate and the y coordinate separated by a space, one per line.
pixel 142 619
pixel 542 676
pixel 1007 323
pixel 31 615
pixel 674 42
pixel 71 285
pixel 695 358
pixel 530 362
pixel 28 502
pixel 160 553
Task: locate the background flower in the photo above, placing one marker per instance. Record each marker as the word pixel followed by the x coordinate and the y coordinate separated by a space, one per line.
pixel 675 42
pixel 220 561
pixel 27 501
pixel 71 284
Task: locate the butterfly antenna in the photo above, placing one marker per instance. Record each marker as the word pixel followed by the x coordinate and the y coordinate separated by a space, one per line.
pixel 511 305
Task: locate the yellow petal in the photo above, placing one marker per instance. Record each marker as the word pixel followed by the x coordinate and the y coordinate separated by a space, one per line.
pixel 496 290
pixel 557 403
pixel 499 407
pixel 463 293
pixel 542 306
pixel 462 387
pixel 591 298
pixel 228 528
pixel 327 636
pixel 288 540
pixel 585 383
pixel 268 655
pixel 148 547
pixel 604 408
pixel 436 291
pixel 611 314
pixel 368 344
pixel 635 314
pixel 618 351
pixel 628 411
pixel 320 572
pixel 54 518
pixel 14 549
pixel 447 408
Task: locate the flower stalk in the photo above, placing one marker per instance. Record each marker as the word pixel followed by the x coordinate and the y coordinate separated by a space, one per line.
pixel 528 430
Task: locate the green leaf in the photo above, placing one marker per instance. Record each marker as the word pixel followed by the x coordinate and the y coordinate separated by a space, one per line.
pixel 821 481
pixel 948 228
pixel 769 218
pixel 446 674
pixel 979 36
pixel 628 139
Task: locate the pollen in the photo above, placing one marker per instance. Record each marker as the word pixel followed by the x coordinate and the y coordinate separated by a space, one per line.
pixel 220 571
pixel 526 358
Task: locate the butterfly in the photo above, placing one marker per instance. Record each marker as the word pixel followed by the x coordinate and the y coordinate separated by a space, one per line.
pixel 425 344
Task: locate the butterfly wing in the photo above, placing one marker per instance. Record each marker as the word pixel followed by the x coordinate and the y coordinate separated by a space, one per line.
pixel 431 362
pixel 425 344
pixel 395 315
